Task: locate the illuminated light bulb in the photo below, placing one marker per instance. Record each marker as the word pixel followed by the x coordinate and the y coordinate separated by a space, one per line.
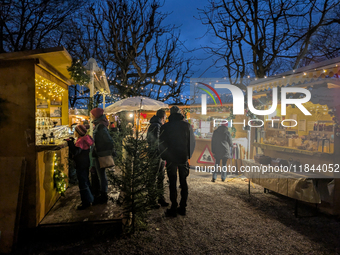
pixel 304 73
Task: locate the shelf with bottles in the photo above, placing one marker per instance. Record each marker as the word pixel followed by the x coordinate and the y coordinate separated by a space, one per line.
pixel 52 136
pixel 314 142
pixel 43 121
pixel 324 126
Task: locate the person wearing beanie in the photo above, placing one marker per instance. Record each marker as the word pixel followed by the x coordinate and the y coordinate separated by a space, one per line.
pixel 79 152
pixel 175 110
pixel 177 144
pixel 96 113
pixel 103 146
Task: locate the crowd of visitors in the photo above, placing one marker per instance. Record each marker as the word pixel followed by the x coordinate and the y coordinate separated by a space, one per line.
pixel 172 143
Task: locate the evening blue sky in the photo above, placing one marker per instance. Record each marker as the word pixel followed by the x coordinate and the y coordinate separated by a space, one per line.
pixel 184 13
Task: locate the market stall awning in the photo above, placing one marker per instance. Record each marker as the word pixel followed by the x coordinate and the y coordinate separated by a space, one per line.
pixel 135 104
pixel 325 71
pixel 100 81
pixel 54 60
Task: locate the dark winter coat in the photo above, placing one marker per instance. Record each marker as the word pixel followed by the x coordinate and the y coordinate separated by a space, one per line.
pixel 103 142
pixel 221 142
pixel 177 140
pixel 154 132
pixel 80 157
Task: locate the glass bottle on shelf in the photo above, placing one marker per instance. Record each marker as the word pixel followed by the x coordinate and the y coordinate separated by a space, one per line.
pixel 37 123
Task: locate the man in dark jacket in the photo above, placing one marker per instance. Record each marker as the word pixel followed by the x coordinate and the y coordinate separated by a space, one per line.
pixel 220 146
pixel 158 172
pixel 177 143
pixel 103 146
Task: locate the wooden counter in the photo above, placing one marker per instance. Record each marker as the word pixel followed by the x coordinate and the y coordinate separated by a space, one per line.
pixel 303 156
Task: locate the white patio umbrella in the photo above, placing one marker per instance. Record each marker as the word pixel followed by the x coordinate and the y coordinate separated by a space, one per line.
pixel 135 104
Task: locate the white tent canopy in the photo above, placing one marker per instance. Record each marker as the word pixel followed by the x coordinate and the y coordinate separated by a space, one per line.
pixel 135 104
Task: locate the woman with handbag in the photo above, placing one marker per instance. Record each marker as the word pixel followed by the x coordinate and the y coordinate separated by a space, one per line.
pixel 102 151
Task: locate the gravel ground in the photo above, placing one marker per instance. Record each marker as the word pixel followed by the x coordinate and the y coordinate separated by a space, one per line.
pixel 221 219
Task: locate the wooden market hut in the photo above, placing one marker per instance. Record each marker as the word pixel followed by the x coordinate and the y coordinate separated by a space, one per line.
pixel 314 142
pixel 27 189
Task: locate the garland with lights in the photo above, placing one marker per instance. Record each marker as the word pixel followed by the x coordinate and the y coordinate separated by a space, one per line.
pixel 78 72
pixel 59 177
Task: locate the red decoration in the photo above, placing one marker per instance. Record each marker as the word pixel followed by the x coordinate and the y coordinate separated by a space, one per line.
pixel 143 114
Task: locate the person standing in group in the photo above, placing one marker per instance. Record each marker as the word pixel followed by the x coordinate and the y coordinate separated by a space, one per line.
pixel 103 146
pixel 220 147
pixel 79 151
pixel 177 143
pixel 158 172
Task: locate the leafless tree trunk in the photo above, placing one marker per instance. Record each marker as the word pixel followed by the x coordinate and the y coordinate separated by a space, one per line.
pixel 141 56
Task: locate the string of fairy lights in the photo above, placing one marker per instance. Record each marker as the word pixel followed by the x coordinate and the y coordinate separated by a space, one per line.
pixel 117 96
pixel 330 69
pixel 49 90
